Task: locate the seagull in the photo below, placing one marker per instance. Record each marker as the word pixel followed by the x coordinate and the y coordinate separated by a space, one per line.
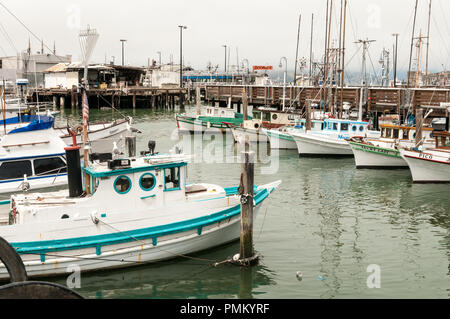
pixel 132 129
pixel 115 150
pixel 299 275
pixel 25 186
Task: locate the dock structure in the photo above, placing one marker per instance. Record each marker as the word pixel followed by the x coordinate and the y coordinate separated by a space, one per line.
pixel 379 99
pixel 126 97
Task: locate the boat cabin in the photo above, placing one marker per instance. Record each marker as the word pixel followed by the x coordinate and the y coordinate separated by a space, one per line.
pixel 152 180
pixel 212 111
pixel 442 140
pixel 401 132
pixel 345 127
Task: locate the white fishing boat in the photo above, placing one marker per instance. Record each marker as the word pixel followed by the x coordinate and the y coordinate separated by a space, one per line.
pixel 212 119
pixel 383 152
pixel 139 210
pixel 31 158
pixel 102 135
pixel 332 139
pixel 264 118
pixel 430 164
pixel 281 139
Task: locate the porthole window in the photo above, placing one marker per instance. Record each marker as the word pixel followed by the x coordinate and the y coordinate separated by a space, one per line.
pixel 361 128
pixel 354 128
pixel 274 117
pixel 122 185
pixel 256 126
pixel 147 182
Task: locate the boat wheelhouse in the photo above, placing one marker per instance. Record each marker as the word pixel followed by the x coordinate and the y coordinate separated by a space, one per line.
pixel 430 164
pixel 383 152
pixel 212 119
pixel 140 210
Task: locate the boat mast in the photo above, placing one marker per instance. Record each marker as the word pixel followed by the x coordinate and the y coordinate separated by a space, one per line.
pixel 343 60
pixel 363 76
pixel 428 37
pixel 311 50
pixel 327 54
pixel 296 54
pixel 412 44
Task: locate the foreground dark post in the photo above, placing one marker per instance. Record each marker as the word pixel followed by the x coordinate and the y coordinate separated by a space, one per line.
pixel 130 145
pixel 247 256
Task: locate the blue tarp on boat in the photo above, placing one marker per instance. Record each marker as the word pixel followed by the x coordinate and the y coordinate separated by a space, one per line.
pixel 38 124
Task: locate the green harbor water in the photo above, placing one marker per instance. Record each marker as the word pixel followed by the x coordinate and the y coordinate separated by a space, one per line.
pixel 327 220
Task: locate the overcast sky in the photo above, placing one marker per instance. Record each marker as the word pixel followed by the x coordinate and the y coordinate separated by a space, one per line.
pixel 263 31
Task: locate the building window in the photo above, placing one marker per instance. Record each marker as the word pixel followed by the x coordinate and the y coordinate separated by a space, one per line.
pixel 49 166
pixel 172 179
pixel 122 185
pixel 147 182
pixel 14 170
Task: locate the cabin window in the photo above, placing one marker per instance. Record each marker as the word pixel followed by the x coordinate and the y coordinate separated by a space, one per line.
pixel 172 179
pixel 49 166
pixel 122 185
pixel 275 117
pixel 147 182
pixel 361 128
pixel 344 127
pixel 396 134
pixel 16 169
pixel 335 126
pixel 267 117
pixel 354 128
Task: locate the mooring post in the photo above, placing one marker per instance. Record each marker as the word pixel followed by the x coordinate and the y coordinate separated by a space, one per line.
pixel 419 126
pixel 245 103
pixel 72 97
pixel 55 102
pixel 308 123
pixel 246 255
pixel 62 101
pixel 198 100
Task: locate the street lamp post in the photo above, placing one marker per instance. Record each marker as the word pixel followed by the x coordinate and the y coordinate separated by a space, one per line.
pixel 123 51
pixel 159 53
pixel 225 57
pixel 181 53
pixel 284 81
pixel 395 59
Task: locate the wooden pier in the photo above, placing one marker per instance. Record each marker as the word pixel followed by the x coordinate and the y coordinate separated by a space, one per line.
pixel 126 97
pixel 389 100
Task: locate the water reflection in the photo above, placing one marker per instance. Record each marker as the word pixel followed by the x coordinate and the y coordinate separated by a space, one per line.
pixel 179 279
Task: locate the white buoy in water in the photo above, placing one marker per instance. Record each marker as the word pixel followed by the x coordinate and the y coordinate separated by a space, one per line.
pixel 299 275
pixel 236 257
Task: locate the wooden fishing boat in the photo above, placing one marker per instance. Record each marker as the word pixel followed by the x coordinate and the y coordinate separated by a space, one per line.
pixel 383 152
pixel 430 164
pixel 137 210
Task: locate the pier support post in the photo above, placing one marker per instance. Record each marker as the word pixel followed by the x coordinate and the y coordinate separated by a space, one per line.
pixel 134 101
pixel 245 104
pixel 62 102
pixel 308 123
pixel 130 145
pixel 419 126
pixel 198 100
pixel 55 102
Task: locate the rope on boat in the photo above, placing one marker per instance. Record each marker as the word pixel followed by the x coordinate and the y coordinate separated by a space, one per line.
pixel 164 250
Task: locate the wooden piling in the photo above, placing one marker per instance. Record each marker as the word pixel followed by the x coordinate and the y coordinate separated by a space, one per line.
pixel 308 123
pixel 246 255
pixel 245 104
pixel 62 101
pixel 134 101
pixel 419 126
pixel 198 100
